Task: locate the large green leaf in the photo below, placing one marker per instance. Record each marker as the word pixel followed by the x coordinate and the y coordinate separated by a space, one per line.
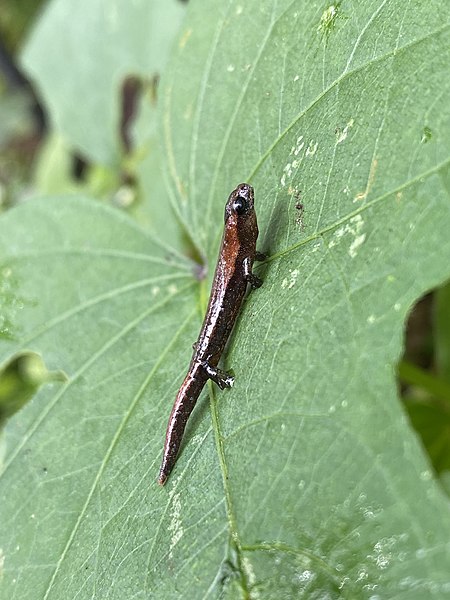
pixel 305 480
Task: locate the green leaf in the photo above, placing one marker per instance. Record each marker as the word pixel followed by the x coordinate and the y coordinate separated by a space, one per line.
pixel 106 45
pixel 305 480
pixel 80 54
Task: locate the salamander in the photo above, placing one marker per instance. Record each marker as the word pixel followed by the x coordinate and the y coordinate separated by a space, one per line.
pixel 233 273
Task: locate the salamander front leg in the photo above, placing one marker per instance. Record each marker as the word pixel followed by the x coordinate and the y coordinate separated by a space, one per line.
pixel 259 256
pixel 222 378
pixel 254 281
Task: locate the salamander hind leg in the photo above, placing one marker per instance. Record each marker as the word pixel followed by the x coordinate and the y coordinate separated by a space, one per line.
pixel 222 378
pixel 254 281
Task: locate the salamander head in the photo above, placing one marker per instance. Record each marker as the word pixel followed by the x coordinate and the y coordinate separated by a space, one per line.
pixel 240 202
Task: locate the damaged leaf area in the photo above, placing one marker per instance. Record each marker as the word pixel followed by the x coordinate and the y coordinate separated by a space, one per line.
pixel 20 379
pixel 306 479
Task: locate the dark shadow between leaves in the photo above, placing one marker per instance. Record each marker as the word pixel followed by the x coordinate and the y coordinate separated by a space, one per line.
pixel 423 374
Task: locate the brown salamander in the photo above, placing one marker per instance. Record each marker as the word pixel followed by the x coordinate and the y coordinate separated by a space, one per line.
pixel 233 273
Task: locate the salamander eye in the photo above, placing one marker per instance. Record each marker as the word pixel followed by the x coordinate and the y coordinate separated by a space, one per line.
pixel 240 205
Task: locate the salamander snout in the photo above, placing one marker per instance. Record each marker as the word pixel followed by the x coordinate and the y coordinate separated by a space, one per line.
pixel 245 190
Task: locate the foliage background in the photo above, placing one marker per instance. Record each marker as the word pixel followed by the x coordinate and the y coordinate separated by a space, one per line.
pixel 307 479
